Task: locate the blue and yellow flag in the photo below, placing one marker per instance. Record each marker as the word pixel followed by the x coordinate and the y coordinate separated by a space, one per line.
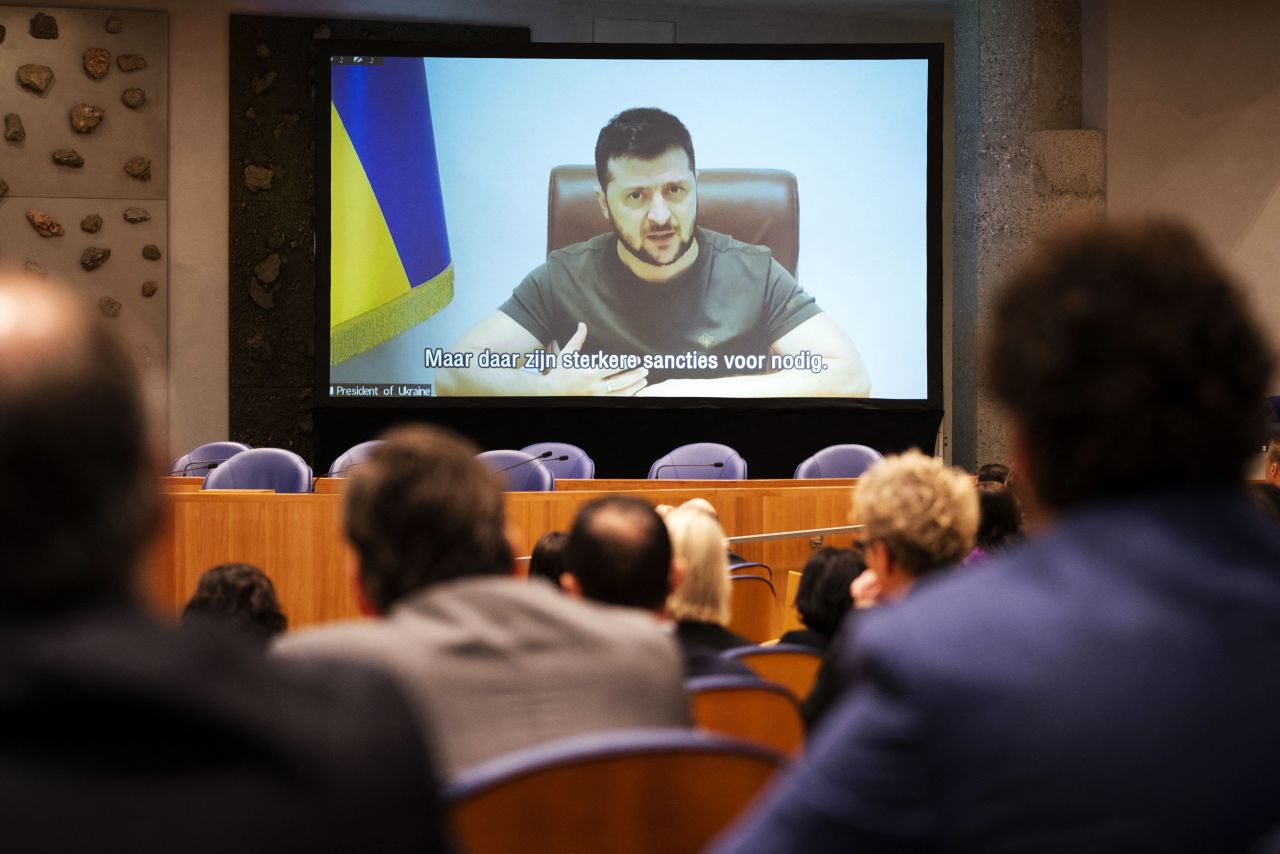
pixel 390 263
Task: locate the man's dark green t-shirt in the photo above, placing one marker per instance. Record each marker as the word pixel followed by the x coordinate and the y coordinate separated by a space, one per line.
pixel 735 299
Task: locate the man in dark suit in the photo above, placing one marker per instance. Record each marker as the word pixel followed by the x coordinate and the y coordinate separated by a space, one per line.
pixel 118 733
pixel 1112 684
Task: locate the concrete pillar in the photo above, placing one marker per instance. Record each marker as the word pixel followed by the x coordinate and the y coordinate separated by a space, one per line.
pixel 1023 167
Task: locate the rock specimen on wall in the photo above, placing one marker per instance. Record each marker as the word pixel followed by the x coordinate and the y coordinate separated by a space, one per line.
pixel 151 252
pixel 13 129
pixel 85 117
pixel 136 215
pixel 149 289
pixel 35 77
pixel 4 187
pixel 114 24
pixel 2 33
pixel 263 82
pixel 44 224
pixel 257 178
pixel 93 258
pixel 109 306
pixel 91 223
pixel 68 157
pixel 31 268
pixel 97 62
pixel 131 62
pixel 133 98
pixel 138 167
pixel 44 26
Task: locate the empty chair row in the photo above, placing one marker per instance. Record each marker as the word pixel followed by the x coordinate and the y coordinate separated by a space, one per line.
pixel 234 465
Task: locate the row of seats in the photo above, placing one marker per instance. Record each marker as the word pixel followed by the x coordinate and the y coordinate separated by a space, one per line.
pixel 534 468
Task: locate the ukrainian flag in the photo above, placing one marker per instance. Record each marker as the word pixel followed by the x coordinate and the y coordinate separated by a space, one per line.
pixel 390 261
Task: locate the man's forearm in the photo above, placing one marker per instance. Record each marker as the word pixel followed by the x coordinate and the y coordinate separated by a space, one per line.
pixel 476 381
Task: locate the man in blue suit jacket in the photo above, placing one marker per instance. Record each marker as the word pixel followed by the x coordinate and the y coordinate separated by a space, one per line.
pixel 1113 684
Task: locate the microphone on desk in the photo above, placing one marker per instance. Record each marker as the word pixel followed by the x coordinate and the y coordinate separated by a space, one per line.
pixel 545 455
pixel 716 465
pixel 201 466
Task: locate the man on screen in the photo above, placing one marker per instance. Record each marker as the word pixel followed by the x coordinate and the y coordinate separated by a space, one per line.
pixel 660 288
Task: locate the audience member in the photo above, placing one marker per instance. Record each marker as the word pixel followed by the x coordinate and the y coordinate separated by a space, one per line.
pixel 1267 497
pixel 1111 684
pixel 240 597
pixel 547 560
pixel 919 517
pixel 993 473
pixel 491 664
pixel 120 733
pixel 1272 471
pixel 619 553
pixel 700 603
pixel 823 598
pixel 999 520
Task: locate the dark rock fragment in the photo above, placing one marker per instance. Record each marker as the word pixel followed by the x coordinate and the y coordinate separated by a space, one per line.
pixel 97 62
pixel 133 98
pixel 13 129
pixel 4 187
pixel 45 225
pixel 268 269
pixel 138 167
pixel 31 268
pixel 263 82
pixel 261 297
pixel 260 350
pixel 261 50
pixel 136 215
pixel 257 178
pixel 109 306
pixel 85 117
pixel 93 258
pixel 36 77
pixel 149 289
pixel 151 252
pixel 251 114
pixel 131 62
pixel 91 223
pixel 44 26
pixel 276 240
pixel 114 24
pixel 3 31
pixel 68 157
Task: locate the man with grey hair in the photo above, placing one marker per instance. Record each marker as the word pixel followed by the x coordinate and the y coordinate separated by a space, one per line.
pixel 122 734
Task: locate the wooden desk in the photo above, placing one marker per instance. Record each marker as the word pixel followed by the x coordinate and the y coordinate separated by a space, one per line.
pixel 297 539
pixel 632 484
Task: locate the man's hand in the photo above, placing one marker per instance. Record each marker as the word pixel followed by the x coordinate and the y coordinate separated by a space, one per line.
pixel 591 382
pixel 865 589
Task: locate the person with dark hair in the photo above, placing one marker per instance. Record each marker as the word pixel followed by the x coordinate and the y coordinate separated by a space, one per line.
pixel 823 598
pixel 491 664
pixel 993 473
pixel 619 552
pixel 999 520
pixel 240 597
pixel 1272 471
pixel 124 734
pixel 547 560
pixel 657 285
pixel 1111 684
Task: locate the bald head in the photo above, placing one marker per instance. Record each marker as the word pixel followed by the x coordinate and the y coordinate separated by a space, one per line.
pixel 620 554
pixel 80 499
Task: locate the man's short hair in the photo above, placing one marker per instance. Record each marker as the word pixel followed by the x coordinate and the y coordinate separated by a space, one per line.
pixel 924 511
pixel 1273 451
pixel 1129 361
pixel 240 597
pixel 643 133
pixel 421 510
pixel 993 473
pixel 823 599
pixel 620 553
pixel 81 495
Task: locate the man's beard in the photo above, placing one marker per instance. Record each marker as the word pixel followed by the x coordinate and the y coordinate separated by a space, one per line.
pixel 648 257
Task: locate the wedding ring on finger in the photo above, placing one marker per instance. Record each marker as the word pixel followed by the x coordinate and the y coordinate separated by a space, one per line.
pixel 608 386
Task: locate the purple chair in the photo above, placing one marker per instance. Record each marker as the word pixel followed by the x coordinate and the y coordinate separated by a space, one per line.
pixel 262 468
pixel 577 465
pixel 839 461
pixel 522 472
pixel 700 461
pixel 199 461
pixel 353 456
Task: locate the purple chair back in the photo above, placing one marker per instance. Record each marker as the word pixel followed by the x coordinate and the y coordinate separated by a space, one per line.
pixel 262 468
pixel 522 472
pixel 579 465
pixel 700 461
pixel 200 461
pixel 353 456
pixel 839 461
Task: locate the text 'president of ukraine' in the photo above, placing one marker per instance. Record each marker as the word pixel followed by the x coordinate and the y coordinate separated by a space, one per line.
pixel 659 285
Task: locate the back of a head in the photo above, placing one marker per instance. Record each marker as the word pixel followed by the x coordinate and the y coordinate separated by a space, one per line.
pixel 619 552
pixel 81 496
pixel 1129 362
pixel 547 559
pixel 240 597
pixel 421 510
pixel 925 511
pixel 643 133
pixel 999 516
pixel 822 598
pixel 993 473
pixel 698 540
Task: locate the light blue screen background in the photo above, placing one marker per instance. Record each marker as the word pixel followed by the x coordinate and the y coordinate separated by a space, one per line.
pixel 852 131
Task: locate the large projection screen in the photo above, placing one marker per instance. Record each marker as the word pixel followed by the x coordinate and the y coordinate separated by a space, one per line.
pixel 436 286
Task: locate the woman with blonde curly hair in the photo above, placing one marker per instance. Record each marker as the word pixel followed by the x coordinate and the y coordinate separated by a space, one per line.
pixel 700 604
